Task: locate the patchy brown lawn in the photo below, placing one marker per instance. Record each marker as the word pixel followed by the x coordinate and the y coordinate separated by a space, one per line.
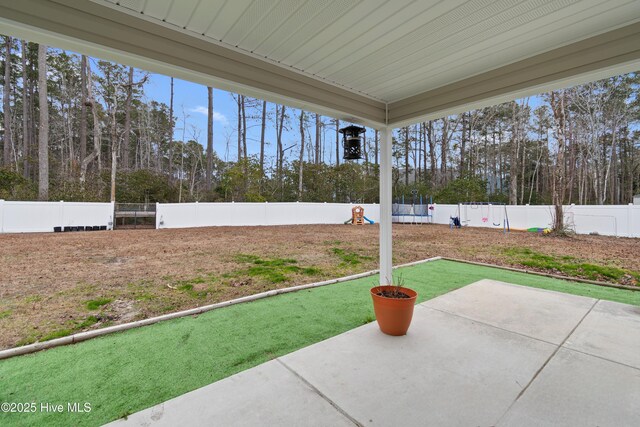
pixel 52 285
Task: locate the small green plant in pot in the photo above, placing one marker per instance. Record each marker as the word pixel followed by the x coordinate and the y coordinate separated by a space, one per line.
pixel 393 305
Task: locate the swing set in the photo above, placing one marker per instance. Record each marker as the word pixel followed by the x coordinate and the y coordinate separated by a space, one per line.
pixel 487 212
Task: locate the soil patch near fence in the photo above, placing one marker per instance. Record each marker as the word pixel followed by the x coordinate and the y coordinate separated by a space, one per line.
pixel 52 285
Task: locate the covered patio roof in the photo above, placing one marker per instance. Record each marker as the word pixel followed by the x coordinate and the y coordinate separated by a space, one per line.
pixel 374 62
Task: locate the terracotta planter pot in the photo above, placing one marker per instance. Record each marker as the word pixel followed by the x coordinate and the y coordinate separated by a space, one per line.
pixel 393 314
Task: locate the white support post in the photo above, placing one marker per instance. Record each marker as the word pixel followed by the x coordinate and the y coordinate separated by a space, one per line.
pixel 386 244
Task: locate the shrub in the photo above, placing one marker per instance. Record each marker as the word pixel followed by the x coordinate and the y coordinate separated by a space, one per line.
pixel 14 187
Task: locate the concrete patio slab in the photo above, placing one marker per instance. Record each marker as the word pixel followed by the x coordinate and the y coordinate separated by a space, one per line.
pixel 611 331
pixel 268 395
pixel 537 313
pixel 485 355
pixel 446 371
pixel 576 389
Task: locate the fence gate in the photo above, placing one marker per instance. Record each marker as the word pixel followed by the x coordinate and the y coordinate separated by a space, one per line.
pixel 135 215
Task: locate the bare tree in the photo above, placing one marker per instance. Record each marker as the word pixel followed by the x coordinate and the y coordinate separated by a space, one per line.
pixel 444 150
pixel 422 148
pixel 466 121
pixel 114 143
pixel 365 154
pixel 513 158
pixel 431 140
pixel 209 176
pixel 90 101
pixel 280 148
pixel 6 103
pixel 263 125
pixel 300 162
pixel 542 121
pixel 318 130
pixel 170 136
pixel 406 155
pixel 43 134
pixel 25 112
pixel 557 100
pixel 83 108
pixel 376 138
pixel 239 101
pixel 244 128
pixel 126 140
pixel 337 142
pixel 449 128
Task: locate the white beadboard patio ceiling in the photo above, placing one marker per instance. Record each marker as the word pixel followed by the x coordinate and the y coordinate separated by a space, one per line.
pixel 390 50
pixel 404 59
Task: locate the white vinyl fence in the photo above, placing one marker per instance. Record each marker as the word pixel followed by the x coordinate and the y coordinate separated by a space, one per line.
pixel 182 215
pixel 608 220
pixel 23 217
pixel 34 217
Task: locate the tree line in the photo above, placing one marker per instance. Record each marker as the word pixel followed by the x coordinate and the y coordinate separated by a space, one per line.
pixel 79 128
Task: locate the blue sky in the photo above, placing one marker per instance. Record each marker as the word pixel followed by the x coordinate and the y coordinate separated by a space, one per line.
pixel 190 99
pixel 190 109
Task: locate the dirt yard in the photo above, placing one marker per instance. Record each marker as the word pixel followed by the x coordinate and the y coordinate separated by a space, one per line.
pixel 52 285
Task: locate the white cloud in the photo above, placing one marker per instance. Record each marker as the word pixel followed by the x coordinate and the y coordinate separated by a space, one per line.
pixel 217 117
pixel 199 109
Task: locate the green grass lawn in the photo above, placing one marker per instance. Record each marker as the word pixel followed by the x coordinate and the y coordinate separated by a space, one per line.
pixel 123 373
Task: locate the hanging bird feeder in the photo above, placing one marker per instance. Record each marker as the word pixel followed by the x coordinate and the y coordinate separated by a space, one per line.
pixel 352 142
